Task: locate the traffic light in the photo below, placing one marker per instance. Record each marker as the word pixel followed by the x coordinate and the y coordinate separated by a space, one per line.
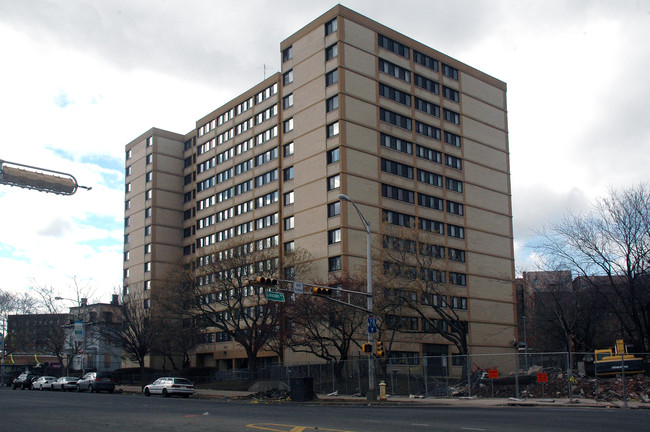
pixel 263 281
pixel 366 347
pixel 380 349
pixel 321 291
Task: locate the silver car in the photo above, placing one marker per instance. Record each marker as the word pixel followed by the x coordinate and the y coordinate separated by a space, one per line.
pixel 65 384
pixel 43 383
pixel 168 386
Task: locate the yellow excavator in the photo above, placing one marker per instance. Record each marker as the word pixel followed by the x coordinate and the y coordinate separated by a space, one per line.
pixel 610 362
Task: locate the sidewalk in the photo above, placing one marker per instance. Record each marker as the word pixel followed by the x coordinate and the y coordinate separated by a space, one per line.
pixel 475 402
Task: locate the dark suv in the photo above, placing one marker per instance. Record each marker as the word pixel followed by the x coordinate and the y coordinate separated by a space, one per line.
pixel 24 381
pixel 96 382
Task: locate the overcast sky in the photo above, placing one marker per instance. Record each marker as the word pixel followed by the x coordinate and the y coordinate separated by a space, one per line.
pixel 80 79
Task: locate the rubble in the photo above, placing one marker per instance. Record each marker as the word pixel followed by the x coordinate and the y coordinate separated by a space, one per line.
pixel 602 389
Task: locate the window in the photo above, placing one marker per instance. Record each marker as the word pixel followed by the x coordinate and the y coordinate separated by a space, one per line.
pixel 455 208
pixel 289 272
pixel 287 101
pixel 394 94
pixel 128 171
pixel 450 94
pixel 452 139
pixel 333 155
pixel 287 174
pixel 287 125
pixel 396 144
pixel 432 226
pixel 332 103
pixel 331 52
pixel 127 238
pixel 427 84
pixel 330 27
pixel 451 116
pixel 332 129
pixel 458 279
pixel 288 198
pixel 288 149
pixel 454 185
pixel 427 107
pixel 394 70
pixel 453 162
pixel 333 209
pixel 129 154
pixel 148 194
pixel 428 154
pixel 289 247
pixel 149 141
pixel 127 255
pixel 456 255
pixel 333 182
pixel 127 273
pixel 149 159
pixel 455 231
pixel 147 212
pixel 395 119
pixel 396 168
pixel 396 193
pixel 287 78
pixel 458 303
pixel 428 130
pixel 394 46
pixel 425 60
pixel 147 248
pixel 429 178
pixel 127 204
pixel 334 236
pixel 127 187
pixel 334 263
pixel 331 77
pixel 146 303
pixel 127 221
pixel 400 219
pixel 429 201
pixel 147 267
pixel 287 54
pixel 149 176
pixel 288 223
pixel 450 72
pixel 147 230
pixel 147 285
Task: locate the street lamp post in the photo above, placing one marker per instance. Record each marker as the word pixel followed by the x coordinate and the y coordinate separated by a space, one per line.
pixel 82 304
pixel 372 394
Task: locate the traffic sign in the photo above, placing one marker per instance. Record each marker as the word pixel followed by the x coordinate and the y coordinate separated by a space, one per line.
pixel 275 296
pixel 298 287
pixel 493 373
pixel 372 324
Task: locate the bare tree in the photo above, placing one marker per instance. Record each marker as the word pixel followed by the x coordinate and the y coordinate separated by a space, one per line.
pixel 416 284
pixel 328 329
pixel 609 248
pixel 223 300
pixel 137 328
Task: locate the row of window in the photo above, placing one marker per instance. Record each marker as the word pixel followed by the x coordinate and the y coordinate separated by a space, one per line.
pixel 408 221
pixel 426 249
pixel 239 109
pixel 424 176
pixel 423 59
pixel 411 272
pixel 424 200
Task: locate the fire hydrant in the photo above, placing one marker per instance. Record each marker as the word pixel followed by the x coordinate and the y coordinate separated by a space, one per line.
pixel 382 391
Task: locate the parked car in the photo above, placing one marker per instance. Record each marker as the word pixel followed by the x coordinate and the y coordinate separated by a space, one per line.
pixel 168 386
pixel 65 383
pixel 43 382
pixel 24 381
pixel 96 382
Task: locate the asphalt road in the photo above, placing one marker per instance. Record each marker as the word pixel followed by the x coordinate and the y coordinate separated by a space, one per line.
pixel 47 411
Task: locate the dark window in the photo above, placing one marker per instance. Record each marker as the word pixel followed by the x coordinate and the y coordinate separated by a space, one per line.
pixel 429 178
pixel 427 107
pixel 394 70
pixel 333 155
pixel 450 72
pixel 451 116
pixel 428 130
pixel 396 168
pixel 333 209
pixel 453 162
pixel 332 103
pixel 397 193
pixel 334 236
pixel 332 129
pixel 425 60
pixel 395 119
pixel 396 143
pixel 330 27
pixel 400 219
pixel 429 201
pixel 394 46
pixel 331 52
pixel 287 78
pixel 450 93
pixel 431 226
pixel 331 77
pixel 455 208
pixel 454 185
pixel 287 54
pixel 452 139
pixel 426 84
pixel 334 263
pixel 287 174
pixel 428 154
pixel 333 182
pixel 394 94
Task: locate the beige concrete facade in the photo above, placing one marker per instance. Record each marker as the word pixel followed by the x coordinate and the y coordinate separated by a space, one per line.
pixel 293 116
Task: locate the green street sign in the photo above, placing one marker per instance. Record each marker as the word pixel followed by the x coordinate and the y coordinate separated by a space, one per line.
pixel 275 296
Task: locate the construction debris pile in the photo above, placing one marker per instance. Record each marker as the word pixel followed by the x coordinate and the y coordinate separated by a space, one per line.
pixel 603 389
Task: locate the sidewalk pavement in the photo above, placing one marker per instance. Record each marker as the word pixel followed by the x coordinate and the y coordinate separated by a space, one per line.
pixel 474 402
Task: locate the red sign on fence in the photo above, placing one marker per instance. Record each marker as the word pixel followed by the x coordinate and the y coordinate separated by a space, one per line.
pixel 542 377
pixel 493 373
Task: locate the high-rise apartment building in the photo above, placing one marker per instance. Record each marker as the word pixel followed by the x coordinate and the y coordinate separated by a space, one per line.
pixel 414 137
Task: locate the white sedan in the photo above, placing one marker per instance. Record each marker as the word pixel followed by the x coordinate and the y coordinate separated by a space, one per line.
pixel 43 383
pixel 168 386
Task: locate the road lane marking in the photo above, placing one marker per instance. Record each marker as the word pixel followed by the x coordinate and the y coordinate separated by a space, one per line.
pixel 291 428
pixel 470 428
